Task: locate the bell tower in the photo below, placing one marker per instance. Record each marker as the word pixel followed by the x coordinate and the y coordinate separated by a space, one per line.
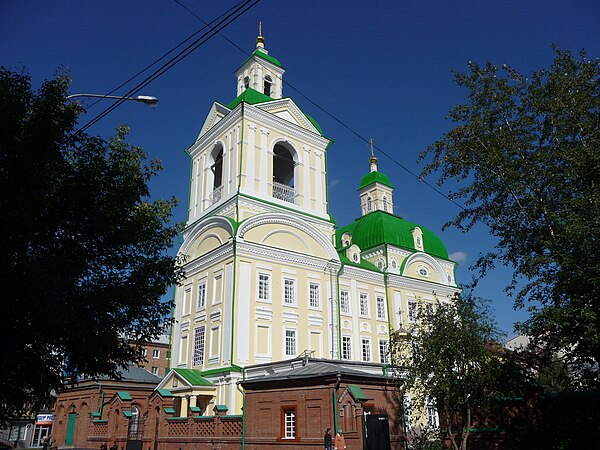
pixel 260 71
pixel 375 189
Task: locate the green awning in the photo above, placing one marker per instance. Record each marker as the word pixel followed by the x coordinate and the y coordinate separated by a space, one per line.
pixel 357 393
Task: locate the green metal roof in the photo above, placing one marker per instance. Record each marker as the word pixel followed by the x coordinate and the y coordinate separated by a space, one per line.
pixel 357 393
pixel 124 395
pixel 315 123
pixel 165 393
pixel 170 410
pixel 221 408
pixel 193 377
pixel 250 96
pixel 374 177
pixel 362 263
pixel 266 57
pixel 380 227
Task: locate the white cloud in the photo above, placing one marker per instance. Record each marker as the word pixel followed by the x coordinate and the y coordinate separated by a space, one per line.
pixel 334 183
pixel 458 256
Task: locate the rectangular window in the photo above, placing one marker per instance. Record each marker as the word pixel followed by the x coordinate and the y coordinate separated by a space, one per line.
pixel 264 286
pixel 429 309
pixel 407 411
pixel 433 420
pixel 346 347
pixel 315 295
pixel 345 302
pixel 289 291
pixel 183 349
pixel 155 371
pixel 364 305
pixel 412 312
pixel 290 343
pixel 366 349
pixel 156 353
pixel 201 296
pixel 199 334
pixel 218 289
pixel 384 351
pixel 144 353
pixel 289 423
pixel 380 308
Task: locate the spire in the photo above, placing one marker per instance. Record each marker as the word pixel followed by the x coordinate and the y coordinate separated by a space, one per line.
pixel 373 159
pixel 260 40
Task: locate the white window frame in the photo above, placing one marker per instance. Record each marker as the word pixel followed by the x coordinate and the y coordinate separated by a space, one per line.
pixel 433 419
pixel 314 295
pixel 156 353
pixel 155 371
pixel 289 292
pixel 201 298
pixel 289 423
pixel 263 287
pixel 380 304
pixel 365 349
pixel 384 351
pixel 293 336
pixel 364 306
pixel 347 347
pixel 199 343
pixel 411 311
pixel 345 303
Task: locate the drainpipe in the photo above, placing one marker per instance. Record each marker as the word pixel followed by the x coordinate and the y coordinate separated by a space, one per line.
pixel 335 417
pixel 243 409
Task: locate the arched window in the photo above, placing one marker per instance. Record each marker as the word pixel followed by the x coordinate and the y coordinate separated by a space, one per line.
pixel 385 204
pixel 246 82
pixel 283 174
pixel 134 424
pixel 369 204
pixel 217 172
pixel 267 85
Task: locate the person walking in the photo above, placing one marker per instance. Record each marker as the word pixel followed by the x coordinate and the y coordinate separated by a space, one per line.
pixel 327 439
pixel 340 442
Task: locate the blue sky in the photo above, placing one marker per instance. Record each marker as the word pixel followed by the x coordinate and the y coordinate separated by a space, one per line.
pixel 381 67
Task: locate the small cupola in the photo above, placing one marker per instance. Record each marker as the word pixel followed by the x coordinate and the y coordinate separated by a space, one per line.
pixel 375 189
pixel 261 72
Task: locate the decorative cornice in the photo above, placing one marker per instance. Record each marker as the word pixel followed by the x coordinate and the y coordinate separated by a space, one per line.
pixel 200 226
pixel 362 274
pixel 218 254
pixel 400 281
pixel 427 259
pixel 276 254
pixel 215 131
pixel 291 221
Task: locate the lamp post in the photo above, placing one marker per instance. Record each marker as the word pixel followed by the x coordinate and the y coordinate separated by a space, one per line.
pixel 146 99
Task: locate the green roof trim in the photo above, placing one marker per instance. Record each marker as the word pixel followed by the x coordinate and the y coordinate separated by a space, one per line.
pixel 379 227
pixel 193 377
pixel 195 409
pixel 315 123
pixel 221 408
pixel 124 396
pixel 164 393
pixel 100 421
pixel 250 96
pixel 96 414
pixel 363 263
pixel 213 372
pixel 128 414
pixel 357 393
pixel 266 57
pixel 374 177
pixel 170 410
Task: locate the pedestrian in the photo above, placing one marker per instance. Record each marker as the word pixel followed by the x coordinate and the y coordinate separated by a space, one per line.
pixel 103 446
pixel 328 439
pixel 114 446
pixel 340 442
pixel 46 442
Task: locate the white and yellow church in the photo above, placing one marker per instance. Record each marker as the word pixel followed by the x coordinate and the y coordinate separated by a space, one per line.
pixel 269 276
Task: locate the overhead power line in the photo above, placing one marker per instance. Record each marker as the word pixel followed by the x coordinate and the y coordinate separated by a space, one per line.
pixel 227 18
pixel 334 117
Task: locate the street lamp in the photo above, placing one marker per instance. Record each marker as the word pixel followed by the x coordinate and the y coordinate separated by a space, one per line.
pixel 147 99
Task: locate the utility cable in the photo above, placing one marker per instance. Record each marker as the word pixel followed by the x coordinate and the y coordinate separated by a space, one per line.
pixel 227 20
pixel 419 178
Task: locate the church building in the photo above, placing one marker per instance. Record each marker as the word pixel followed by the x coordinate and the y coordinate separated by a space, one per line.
pixel 269 275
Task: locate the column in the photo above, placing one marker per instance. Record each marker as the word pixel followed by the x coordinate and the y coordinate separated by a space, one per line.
pixel 319 182
pixel 250 158
pixel 307 184
pixel 264 156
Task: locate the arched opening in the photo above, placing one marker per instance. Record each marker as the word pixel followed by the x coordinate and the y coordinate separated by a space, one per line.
pixel 369 204
pixel 216 169
pixel 283 174
pixel 267 85
pixel 246 82
pixel 385 205
pixel 134 424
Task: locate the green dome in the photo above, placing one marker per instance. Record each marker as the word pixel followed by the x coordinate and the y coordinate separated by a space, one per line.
pixel 375 177
pixel 380 227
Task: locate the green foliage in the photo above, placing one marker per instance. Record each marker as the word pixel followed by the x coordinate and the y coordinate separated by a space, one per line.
pixel 450 355
pixel 524 154
pixel 83 265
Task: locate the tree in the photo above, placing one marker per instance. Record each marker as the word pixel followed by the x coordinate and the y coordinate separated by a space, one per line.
pixel 83 265
pixel 524 155
pixel 448 360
